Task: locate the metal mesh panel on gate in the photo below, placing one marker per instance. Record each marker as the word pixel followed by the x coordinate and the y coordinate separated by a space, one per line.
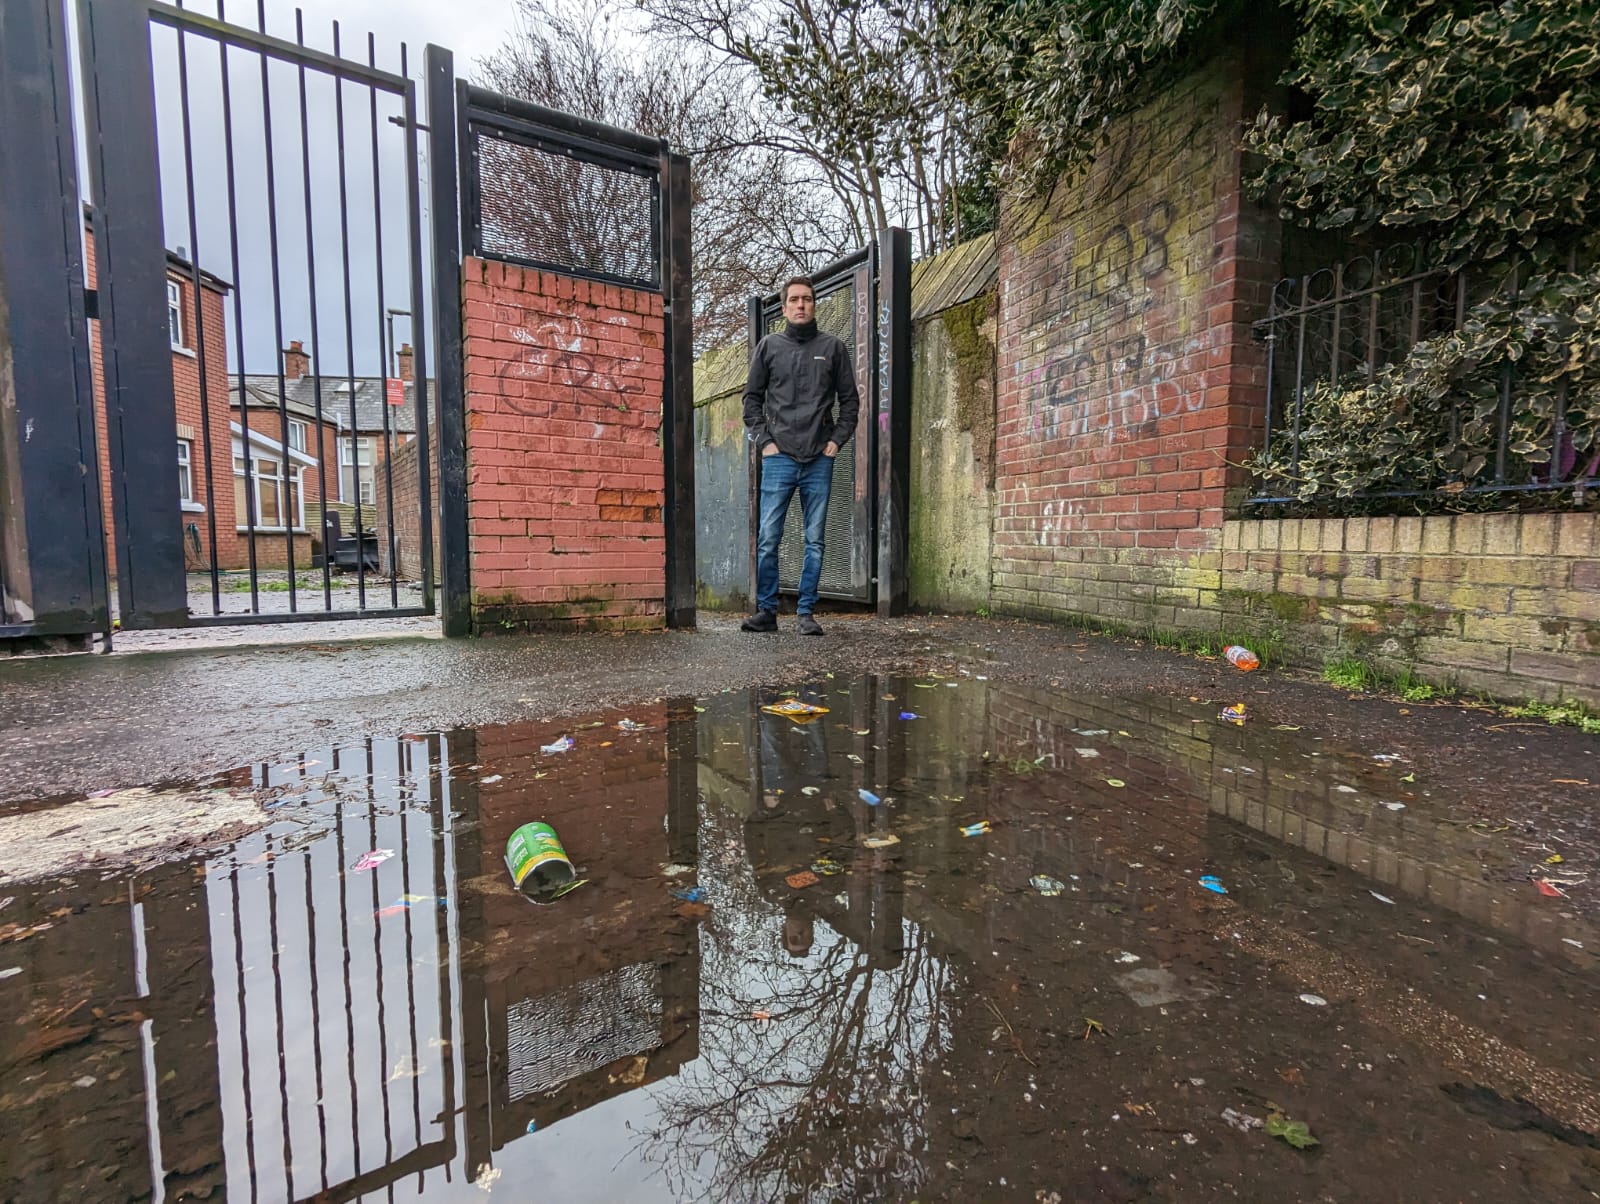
pixel 836 316
pixel 565 212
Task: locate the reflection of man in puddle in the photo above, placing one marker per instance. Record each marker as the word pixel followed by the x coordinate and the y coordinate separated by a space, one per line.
pixel 799 933
pixel 791 828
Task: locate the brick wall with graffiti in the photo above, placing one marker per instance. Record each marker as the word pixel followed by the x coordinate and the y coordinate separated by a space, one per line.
pixel 1127 379
pixel 564 383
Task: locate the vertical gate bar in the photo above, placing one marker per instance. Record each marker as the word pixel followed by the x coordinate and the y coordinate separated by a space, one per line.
pixel 1416 314
pixel 1338 332
pixel 1299 378
pixel 199 324
pixel 244 1030
pixel 419 336
pixel 678 404
pixel 404 819
pixel 349 332
pixel 377 234
pixel 1372 334
pixel 1503 418
pixel 136 353
pixel 316 1008
pixel 1272 353
pixel 439 67
pixel 277 319
pixel 377 949
pixel 316 341
pixel 863 532
pixel 755 329
pixel 894 420
pixel 52 533
pixel 1558 427
pixel 238 324
pixel 277 1008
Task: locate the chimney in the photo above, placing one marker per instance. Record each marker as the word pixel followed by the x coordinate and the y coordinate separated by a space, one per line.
pixel 296 363
pixel 403 358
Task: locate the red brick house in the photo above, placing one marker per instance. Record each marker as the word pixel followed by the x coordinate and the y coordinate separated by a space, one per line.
pixel 196 334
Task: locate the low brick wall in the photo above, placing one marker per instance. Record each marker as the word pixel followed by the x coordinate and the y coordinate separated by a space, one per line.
pixel 1507 605
pixel 565 479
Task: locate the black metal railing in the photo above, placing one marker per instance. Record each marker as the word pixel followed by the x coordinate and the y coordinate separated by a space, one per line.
pixel 290 178
pixel 1338 429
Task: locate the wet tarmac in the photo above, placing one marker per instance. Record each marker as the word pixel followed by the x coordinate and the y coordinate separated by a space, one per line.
pixel 1169 945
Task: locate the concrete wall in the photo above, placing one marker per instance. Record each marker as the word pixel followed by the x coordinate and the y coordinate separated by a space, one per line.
pixel 1507 605
pixel 952 457
pixel 1127 378
pixel 565 477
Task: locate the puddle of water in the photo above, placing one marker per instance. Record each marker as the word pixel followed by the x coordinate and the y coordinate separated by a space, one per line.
pixel 271 1023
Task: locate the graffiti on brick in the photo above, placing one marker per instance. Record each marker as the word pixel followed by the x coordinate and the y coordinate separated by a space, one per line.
pixel 1112 388
pixel 555 357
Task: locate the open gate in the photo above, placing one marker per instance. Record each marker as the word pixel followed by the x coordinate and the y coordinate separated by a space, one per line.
pixel 864 300
pixel 248 440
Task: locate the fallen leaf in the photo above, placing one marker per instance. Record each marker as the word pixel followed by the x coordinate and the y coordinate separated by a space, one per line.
pixel 1295 1132
pixel 1293 1076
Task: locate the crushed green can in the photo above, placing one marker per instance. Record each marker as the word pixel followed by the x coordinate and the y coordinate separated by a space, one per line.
pixel 538 863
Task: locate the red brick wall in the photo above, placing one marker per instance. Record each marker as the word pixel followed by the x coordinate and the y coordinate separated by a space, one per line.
pixel 407 513
pixel 1127 377
pixel 186 400
pixel 564 462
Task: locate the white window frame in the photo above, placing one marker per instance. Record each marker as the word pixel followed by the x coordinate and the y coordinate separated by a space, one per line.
pixel 175 315
pixel 186 472
pixel 268 449
pixel 349 453
pixel 297 435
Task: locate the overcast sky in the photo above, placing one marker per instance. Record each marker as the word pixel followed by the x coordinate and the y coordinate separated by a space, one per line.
pixel 473 29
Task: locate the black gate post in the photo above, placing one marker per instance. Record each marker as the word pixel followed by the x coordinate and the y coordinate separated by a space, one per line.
pixel 135 350
pixel 52 538
pixel 677 414
pixel 894 426
pixel 456 594
pixel 755 330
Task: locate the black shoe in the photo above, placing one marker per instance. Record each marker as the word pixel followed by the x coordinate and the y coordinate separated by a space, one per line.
pixel 762 620
pixel 808 626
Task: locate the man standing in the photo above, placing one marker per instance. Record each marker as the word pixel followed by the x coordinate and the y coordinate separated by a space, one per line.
pixel 795 376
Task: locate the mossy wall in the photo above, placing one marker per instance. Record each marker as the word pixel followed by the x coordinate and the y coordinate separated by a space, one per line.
pixel 952 457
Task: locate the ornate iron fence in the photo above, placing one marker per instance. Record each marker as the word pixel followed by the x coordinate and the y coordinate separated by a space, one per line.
pixel 1353 416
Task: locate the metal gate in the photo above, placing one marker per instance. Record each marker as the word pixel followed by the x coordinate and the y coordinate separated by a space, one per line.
pixel 255 439
pixel 863 300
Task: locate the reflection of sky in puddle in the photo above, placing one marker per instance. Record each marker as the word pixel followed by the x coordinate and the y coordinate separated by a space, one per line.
pixel 411 1029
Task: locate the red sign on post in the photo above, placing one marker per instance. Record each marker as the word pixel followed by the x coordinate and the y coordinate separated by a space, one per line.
pixel 395 391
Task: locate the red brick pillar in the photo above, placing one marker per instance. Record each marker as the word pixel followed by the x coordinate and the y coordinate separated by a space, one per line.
pixel 1128 386
pixel 565 479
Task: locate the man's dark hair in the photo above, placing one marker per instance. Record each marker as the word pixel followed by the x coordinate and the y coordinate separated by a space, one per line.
pixel 791 282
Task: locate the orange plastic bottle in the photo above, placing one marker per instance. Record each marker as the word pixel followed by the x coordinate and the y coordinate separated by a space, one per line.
pixel 1241 657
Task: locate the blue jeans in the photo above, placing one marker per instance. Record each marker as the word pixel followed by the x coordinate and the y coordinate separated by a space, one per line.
pixel 781 475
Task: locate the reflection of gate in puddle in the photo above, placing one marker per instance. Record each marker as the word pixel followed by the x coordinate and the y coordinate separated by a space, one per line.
pixel 357 1005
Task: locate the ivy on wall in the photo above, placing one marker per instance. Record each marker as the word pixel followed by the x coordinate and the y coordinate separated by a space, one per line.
pixel 1471 129
pixel 1477 130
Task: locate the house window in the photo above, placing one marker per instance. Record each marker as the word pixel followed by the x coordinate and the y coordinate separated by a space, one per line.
pixel 297 435
pixel 355 473
pixel 185 473
pixel 175 314
pixel 274 497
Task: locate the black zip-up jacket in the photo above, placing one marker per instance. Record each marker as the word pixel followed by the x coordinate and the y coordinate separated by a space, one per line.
pixel 795 375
